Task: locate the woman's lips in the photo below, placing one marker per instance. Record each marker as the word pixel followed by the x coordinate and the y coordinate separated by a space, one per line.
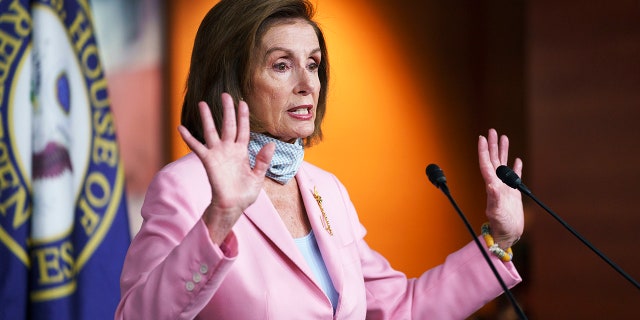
pixel 301 112
pixel 51 162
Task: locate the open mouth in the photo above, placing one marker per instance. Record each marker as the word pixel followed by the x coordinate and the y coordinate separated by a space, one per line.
pixel 51 162
pixel 300 110
pixel 303 112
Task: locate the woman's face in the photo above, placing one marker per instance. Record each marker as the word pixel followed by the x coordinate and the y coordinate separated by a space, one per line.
pixel 284 83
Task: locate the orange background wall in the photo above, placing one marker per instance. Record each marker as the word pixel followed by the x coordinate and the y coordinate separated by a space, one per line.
pixel 381 130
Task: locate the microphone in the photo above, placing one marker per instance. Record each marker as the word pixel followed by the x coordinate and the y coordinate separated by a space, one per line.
pixel 510 178
pixel 436 176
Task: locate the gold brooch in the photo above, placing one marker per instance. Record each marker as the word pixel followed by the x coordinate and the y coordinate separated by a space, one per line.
pixel 324 219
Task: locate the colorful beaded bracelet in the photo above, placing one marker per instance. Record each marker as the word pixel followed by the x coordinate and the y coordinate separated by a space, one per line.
pixel 504 255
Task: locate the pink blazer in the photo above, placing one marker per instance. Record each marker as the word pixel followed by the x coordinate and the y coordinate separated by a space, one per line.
pixel 173 270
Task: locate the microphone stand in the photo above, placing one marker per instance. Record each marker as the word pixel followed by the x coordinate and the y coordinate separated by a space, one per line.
pixel 436 176
pixel 510 178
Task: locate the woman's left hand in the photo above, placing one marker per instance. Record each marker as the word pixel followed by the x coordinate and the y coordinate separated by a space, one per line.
pixel 504 204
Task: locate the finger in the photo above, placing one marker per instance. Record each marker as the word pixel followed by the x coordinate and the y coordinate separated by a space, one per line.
pixel 243 123
pixel 196 146
pixel 208 126
pixel 229 130
pixel 486 167
pixel 492 140
pixel 263 159
pixel 517 167
pixel 504 149
pixel 483 151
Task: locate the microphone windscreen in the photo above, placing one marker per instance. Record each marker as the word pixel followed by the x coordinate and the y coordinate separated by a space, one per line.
pixel 508 176
pixel 436 175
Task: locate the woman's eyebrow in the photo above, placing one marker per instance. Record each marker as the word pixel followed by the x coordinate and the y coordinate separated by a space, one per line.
pixel 288 51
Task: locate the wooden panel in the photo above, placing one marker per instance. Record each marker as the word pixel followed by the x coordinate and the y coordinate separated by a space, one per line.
pixel 584 96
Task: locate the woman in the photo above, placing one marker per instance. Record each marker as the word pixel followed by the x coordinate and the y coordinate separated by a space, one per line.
pixel 221 241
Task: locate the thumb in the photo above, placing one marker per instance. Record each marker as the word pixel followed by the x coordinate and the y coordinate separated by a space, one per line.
pixel 263 159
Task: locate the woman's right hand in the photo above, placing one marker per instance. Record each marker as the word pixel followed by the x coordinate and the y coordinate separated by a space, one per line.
pixel 234 185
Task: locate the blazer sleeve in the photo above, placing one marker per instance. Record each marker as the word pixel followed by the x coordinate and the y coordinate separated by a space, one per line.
pixel 172 268
pixel 452 290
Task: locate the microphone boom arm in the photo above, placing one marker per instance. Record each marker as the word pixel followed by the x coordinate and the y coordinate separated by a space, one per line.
pixel 510 178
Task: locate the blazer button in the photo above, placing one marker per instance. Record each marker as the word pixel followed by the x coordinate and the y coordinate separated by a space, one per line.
pixel 204 268
pixel 197 277
pixel 190 286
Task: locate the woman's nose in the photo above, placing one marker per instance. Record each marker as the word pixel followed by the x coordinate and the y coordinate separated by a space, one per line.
pixel 306 81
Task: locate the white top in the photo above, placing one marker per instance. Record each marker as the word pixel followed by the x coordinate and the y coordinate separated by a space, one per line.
pixel 311 252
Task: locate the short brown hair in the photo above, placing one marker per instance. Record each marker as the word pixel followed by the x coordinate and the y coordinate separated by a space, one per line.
pixel 227 39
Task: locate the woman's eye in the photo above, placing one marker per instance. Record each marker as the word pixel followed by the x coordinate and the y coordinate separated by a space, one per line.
pixel 313 66
pixel 280 66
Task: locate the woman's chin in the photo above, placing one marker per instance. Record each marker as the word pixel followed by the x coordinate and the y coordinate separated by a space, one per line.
pixel 291 137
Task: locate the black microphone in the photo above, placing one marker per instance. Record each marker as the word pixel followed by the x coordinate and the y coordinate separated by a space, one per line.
pixel 510 178
pixel 436 176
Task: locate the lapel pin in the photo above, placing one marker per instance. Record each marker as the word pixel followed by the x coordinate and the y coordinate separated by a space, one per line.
pixel 324 219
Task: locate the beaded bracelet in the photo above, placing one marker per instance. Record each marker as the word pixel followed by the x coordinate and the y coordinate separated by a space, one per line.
pixel 504 255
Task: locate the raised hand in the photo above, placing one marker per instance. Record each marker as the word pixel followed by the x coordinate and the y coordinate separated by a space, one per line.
pixel 234 184
pixel 504 204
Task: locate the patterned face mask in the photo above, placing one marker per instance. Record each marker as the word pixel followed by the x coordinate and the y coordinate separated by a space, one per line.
pixel 286 159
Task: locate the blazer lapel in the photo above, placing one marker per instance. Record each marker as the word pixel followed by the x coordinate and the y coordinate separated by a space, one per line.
pixel 327 242
pixel 265 217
